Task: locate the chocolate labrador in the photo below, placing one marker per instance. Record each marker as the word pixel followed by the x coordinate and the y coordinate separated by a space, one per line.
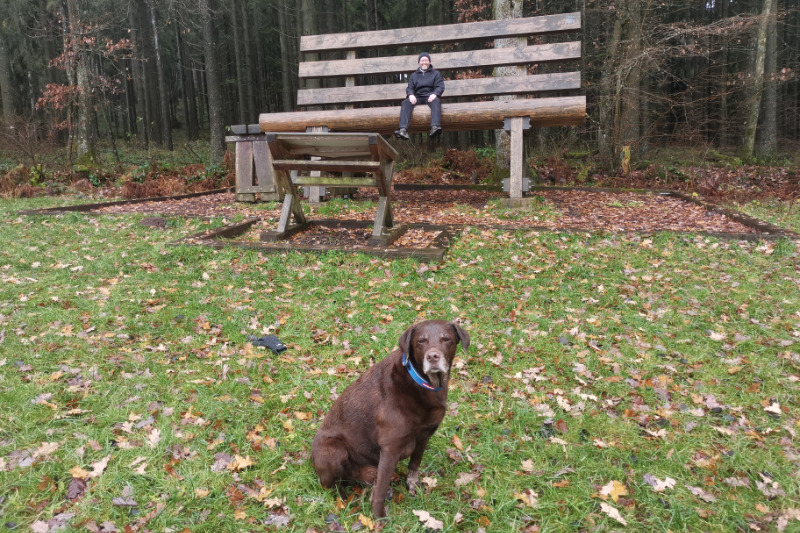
pixel 389 413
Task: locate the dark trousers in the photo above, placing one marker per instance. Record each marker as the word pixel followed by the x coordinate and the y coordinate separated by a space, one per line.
pixel 407 107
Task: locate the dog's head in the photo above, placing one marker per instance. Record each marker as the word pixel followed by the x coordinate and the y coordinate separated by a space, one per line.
pixel 431 348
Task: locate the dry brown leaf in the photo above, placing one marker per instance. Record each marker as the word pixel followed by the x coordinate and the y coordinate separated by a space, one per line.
pixel 613 513
pixel 614 489
pixel 428 521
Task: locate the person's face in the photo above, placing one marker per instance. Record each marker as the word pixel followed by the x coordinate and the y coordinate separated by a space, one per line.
pixel 424 63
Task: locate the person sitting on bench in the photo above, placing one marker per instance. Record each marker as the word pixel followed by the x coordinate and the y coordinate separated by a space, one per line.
pixel 425 85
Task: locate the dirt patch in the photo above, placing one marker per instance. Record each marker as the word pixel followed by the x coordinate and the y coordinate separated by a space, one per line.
pixel 552 209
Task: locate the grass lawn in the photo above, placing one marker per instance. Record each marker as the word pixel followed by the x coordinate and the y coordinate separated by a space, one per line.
pixel 611 380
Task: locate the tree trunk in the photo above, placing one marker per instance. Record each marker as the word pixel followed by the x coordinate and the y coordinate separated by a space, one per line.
pixel 768 132
pixel 6 86
pixel 609 97
pixel 213 82
pixel 166 122
pixel 505 9
pixel 286 81
pixel 758 76
pixel 187 81
pixel 238 55
pixel 248 62
pixel 85 142
pixel 141 110
pixel 631 76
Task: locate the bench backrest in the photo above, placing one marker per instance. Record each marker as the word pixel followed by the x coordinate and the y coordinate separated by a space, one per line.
pixel 370 68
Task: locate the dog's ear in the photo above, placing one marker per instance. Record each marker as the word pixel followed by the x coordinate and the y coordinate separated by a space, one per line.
pixel 405 341
pixel 463 336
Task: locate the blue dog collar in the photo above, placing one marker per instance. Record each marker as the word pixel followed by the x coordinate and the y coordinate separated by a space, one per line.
pixel 422 382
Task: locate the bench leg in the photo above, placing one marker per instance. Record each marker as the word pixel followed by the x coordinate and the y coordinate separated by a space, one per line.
pixel 384 232
pixel 515 188
pixel 383 218
pixel 291 208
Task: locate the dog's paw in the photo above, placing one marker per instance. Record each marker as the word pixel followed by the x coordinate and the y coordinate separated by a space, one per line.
pixel 412 481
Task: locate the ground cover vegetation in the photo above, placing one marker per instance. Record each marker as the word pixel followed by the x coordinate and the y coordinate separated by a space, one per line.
pixel 614 381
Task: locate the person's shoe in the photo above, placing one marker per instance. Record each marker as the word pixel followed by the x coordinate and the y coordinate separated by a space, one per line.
pixel 402 133
pixel 435 131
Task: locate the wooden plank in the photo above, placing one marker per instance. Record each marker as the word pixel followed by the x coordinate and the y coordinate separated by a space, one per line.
pixel 560 81
pixel 265 177
pixel 556 111
pixel 334 181
pixel 442 33
pixel 327 165
pixel 245 174
pixel 493 57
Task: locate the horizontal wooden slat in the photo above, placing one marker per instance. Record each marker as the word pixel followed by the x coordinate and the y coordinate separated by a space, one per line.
pixel 441 34
pixel 493 57
pixel 324 165
pixel 559 81
pixel 334 181
pixel 558 111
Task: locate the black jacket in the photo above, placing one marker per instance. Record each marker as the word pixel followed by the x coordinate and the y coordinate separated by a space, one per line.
pixel 423 83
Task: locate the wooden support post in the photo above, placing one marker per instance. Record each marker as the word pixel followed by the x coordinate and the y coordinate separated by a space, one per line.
pixel 245 173
pixel 516 126
pixel 314 193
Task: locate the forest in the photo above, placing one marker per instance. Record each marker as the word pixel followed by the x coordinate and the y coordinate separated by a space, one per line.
pixel 143 73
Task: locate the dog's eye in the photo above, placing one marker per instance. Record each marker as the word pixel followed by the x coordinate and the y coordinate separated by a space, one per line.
pixel 422 340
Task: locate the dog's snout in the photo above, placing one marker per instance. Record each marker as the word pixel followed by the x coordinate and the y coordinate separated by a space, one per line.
pixel 433 357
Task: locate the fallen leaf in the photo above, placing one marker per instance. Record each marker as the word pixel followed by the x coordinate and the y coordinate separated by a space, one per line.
pixel 613 513
pixel 614 489
pixel 239 463
pixel 465 478
pixel 365 522
pixel 527 466
pixel 429 521
pixel 702 494
pixel 79 473
pixel 659 485
pixel 528 497
pixel 153 438
pixel 99 467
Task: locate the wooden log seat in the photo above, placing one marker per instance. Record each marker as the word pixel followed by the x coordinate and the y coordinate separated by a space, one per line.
pixel 360 81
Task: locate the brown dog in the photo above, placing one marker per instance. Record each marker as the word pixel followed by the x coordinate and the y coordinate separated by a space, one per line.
pixel 389 413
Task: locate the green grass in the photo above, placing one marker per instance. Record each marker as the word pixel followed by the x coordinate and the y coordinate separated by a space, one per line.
pixel 781 213
pixel 595 358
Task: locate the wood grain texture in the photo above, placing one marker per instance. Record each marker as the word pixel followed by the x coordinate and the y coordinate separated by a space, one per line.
pixel 395 92
pixel 557 111
pixel 441 34
pixel 493 57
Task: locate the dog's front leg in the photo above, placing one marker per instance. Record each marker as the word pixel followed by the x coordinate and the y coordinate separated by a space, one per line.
pixel 386 466
pixel 412 481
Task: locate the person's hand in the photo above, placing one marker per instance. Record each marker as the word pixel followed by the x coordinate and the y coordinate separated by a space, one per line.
pixel 412 99
pixel 431 98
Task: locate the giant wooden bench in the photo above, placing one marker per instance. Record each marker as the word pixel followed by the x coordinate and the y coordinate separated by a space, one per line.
pixel 541 95
pixel 351 98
